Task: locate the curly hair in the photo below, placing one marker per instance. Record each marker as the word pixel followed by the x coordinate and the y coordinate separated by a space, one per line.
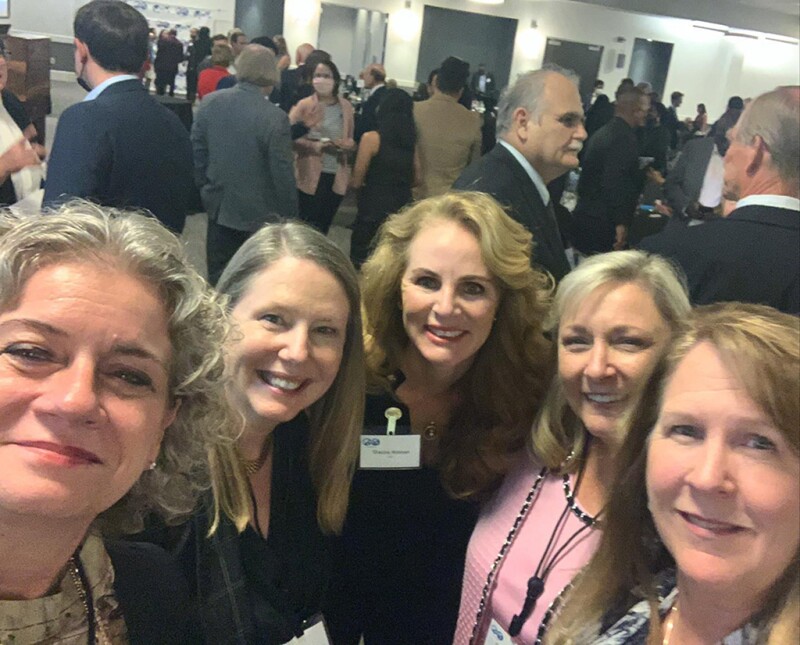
pixel 761 347
pixel 558 431
pixel 197 326
pixel 336 418
pixel 506 382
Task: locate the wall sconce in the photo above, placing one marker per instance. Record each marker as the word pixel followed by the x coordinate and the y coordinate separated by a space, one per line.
pixel 405 23
pixel 530 41
pixel 302 11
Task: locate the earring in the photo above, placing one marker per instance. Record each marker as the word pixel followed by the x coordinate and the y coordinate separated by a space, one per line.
pixel 152 466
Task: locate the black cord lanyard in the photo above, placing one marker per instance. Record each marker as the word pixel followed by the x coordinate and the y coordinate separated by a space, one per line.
pixel 521 516
pixel 547 562
pixel 91 637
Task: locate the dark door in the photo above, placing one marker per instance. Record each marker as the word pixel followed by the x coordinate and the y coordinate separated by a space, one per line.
pixel 650 63
pixel 474 37
pixel 581 58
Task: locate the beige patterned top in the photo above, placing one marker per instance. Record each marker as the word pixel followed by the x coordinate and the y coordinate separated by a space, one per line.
pixel 60 618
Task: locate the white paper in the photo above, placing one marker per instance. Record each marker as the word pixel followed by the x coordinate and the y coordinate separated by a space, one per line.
pixel 380 452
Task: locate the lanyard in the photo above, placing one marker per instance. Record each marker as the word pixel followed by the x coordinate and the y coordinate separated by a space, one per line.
pixel 589 522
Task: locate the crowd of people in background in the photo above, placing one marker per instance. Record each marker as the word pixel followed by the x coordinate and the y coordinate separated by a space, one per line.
pixel 508 416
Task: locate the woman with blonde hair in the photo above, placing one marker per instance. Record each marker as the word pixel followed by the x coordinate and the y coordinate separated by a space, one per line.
pixel 296 376
pixel 701 542
pixel 457 362
pixel 613 317
pixel 111 392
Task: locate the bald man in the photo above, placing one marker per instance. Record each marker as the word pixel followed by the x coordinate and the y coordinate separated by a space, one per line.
pixel 290 78
pixel 374 81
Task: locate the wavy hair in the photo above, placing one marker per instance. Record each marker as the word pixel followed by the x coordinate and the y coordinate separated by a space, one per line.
pixel 761 347
pixel 336 419
pixel 504 386
pixel 558 430
pixel 197 326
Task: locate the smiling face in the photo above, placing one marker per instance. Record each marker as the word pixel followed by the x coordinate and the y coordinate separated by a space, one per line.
pixel 722 481
pixel 552 141
pixel 608 345
pixel 449 298
pixel 293 322
pixel 84 390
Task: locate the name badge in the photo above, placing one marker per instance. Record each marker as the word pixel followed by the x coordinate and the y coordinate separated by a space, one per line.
pixel 497 635
pixel 315 633
pixel 386 452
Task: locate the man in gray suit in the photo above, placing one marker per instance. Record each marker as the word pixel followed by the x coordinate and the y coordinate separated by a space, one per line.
pixel 243 161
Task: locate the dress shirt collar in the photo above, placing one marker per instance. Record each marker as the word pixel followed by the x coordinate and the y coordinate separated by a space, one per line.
pixel 776 201
pixel 376 88
pixel 535 177
pixel 97 91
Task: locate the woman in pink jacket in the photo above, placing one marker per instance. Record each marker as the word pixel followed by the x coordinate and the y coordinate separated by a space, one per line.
pixel 321 155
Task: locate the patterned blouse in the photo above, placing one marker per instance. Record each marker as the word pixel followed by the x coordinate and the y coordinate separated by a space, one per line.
pixel 631 629
pixel 60 618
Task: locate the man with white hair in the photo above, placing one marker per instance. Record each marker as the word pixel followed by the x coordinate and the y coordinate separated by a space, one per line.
pixel 243 160
pixel 539 135
pixel 753 254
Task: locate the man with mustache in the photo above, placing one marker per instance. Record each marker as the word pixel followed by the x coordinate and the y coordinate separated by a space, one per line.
pixel 539 135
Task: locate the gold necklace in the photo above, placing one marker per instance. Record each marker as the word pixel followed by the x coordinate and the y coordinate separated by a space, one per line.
pixel 669 623
pixel 94 626
pixel 252 466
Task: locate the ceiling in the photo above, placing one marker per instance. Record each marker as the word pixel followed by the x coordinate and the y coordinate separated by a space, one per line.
pixel 770 16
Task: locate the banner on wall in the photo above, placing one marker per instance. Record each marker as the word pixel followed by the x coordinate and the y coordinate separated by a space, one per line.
pixel 162 16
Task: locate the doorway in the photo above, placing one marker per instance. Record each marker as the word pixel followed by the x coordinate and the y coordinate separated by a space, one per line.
pixel 581 58
pixel 354 38
pixel 650 63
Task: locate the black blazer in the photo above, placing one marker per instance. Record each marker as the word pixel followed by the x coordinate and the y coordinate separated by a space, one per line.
pixel 153 595
pixel 367 120
pixel 123 149
pixel 500 174
pixel 753 255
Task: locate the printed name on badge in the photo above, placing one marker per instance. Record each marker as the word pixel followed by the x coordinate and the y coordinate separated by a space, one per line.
pixel 381 452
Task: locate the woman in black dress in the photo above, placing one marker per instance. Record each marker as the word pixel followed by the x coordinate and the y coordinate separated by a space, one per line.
pixel 458 364
pixel 386 168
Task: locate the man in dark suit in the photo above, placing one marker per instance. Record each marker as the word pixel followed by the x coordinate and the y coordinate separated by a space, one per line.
pixel 611 180
pixel 753 254
pixel 290 78
pixel 119 147
pixel 243 160
pixel 540 133
pixel 671 119
pixel 483 87
pixel 374 77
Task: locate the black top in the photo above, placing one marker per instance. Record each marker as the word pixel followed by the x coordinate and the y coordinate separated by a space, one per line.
pixel 399 564
pixel 608 188
pixel 152 594
pixel 17 112
pixel 251 591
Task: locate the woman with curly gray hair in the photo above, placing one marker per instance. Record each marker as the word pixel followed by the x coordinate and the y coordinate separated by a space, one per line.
pixel 110 395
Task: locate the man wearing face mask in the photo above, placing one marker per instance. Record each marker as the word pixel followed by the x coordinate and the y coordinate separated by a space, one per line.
pixel 119 147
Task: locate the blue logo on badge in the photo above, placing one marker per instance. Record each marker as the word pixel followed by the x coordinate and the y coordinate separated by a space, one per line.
pixel 371 441
pixel 498 633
